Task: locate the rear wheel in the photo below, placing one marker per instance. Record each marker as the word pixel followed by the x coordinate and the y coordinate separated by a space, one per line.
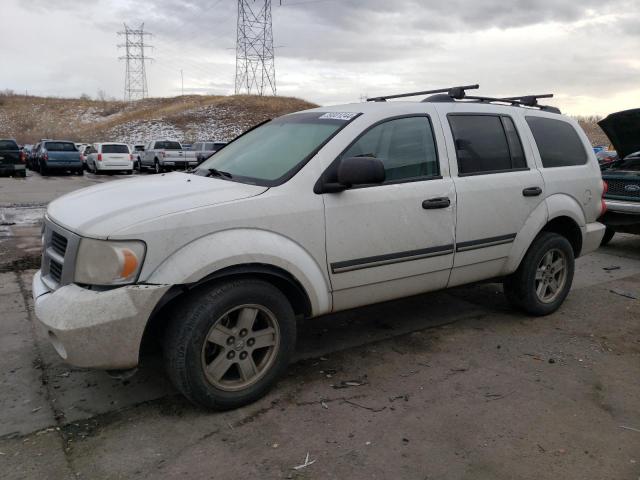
pixel 608 235
pixel 44 171
pixel 227 344
pixel 156 166
pixel 544 277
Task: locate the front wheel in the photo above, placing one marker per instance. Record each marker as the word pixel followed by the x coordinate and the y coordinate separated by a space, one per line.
pixel 227 344
pixel 544 277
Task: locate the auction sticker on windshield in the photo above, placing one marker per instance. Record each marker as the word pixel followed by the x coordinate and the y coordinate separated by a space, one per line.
pixel 338 116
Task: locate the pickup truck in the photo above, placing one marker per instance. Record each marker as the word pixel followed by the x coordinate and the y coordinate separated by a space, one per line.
pixel 622 176
pixel 60 155
pixel 311 213
pixel 163 155
pixel 204 150
pixel 12 159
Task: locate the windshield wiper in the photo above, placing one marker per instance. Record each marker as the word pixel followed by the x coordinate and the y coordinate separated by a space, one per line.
pixel 214 172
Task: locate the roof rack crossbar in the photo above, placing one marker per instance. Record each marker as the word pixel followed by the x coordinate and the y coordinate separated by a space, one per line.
pixel 530 100
pixel 454 92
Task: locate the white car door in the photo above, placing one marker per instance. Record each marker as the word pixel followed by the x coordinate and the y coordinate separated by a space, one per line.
pixel 497 185
pixel 393 239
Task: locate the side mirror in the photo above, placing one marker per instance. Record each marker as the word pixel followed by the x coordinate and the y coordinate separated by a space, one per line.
pixel 360 171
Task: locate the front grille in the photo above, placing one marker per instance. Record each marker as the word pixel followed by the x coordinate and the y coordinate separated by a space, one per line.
pixel 59 251
pixel 59 243
pixel 55 271
pixel 623 188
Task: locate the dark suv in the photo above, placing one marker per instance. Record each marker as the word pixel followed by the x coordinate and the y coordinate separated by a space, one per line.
pixel 622 176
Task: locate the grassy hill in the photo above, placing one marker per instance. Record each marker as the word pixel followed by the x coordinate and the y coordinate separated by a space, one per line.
pixel 187 118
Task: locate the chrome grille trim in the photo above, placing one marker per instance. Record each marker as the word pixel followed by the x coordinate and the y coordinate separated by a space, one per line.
pixel 60 248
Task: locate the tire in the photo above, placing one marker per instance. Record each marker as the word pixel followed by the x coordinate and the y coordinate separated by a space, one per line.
pixel 187 351
pixel 608 235
pixel 156 166
pixel 129 172
pixel 80 172
pixel 522 288
pixel 43 169
pixel 21 173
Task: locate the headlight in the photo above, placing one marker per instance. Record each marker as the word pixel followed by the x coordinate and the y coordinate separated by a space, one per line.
pixel 102 262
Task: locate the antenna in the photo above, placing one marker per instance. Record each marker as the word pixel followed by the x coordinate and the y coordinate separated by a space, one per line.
pixel 135 79
pixel 255 65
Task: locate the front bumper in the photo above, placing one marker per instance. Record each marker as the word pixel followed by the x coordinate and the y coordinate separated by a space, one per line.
pixel 621 206
pixel 592 235
pixel 96 329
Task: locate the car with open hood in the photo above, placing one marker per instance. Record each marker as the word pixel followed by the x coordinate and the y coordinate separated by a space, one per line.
pixel 311 213
pixel 622 176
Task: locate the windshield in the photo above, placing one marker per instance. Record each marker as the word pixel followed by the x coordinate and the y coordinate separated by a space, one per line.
pixel 276 150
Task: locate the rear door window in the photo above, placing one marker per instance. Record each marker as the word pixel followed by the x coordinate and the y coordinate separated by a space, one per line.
pixel 110 148
pixel 558 143
pixel 486 144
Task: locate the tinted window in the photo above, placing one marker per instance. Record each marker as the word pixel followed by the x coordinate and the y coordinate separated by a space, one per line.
pixel 168 145
pixel 481 144
pixel 109 148
pixel 557 141
pixel 8 145
pixel 405 146
pixel 208 146
pixel 60 147
pixel 218 145
pixel 515 146
pixel 139 148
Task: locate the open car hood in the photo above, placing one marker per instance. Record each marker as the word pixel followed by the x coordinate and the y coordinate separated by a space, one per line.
pixel 623 130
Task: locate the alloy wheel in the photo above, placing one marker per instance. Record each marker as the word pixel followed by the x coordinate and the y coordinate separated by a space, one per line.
pixel 551 275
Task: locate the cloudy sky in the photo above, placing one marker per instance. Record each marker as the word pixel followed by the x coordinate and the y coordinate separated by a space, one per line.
pixel 587 52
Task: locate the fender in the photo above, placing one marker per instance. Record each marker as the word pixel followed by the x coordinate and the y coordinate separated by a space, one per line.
pixel 554 206
pixel 228 248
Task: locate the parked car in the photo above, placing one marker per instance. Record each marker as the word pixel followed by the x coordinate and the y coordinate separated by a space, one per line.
pixel 59 155
pixel 162 155
pixel 137 150
pixel 204 150
pixel 311 213
pixel 109 157
pixel 12 159
pixel 622 176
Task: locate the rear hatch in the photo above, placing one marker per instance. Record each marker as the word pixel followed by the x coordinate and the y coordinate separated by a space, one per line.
pixel 115 155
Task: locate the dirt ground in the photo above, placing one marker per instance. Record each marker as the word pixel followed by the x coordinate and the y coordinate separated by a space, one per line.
pixel 449 385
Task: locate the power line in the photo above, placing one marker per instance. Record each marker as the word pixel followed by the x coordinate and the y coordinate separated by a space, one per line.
pixel 135 80
pixel 255 60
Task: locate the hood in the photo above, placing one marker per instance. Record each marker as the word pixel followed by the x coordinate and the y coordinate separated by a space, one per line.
pixel 623 129
pixel 102 210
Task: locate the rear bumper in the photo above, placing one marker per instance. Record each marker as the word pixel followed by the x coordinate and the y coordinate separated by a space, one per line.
pixel 592 235
pixel 12 168
pixel 96 329
pixel 107 166
pixel 63 165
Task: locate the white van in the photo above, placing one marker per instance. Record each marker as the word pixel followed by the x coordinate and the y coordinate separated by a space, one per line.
pixel 109 157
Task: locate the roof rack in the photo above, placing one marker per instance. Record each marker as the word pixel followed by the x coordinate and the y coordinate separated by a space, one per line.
pixel 453 92
pixel 523 101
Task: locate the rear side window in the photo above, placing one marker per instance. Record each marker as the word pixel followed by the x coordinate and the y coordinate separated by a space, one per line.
pixel 486 144
pixel 558 142
pixel 61 146
pixel 115 148
pixel 405 145
pixel 208 146
pixel 8 145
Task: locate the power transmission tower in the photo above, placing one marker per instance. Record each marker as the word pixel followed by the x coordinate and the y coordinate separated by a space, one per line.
pixel 135 80
pixel 255 66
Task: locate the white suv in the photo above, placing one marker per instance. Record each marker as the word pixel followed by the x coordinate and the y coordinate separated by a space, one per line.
pixel 312 213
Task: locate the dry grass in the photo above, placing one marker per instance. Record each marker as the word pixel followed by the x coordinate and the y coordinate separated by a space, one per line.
pixel 29 119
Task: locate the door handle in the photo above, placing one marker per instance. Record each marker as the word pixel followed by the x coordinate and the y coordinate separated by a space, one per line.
pixel 438 202
pixel 532 191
